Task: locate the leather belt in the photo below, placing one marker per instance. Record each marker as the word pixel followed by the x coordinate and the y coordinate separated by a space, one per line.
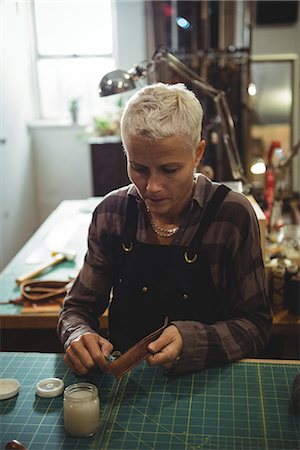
pixel 134 355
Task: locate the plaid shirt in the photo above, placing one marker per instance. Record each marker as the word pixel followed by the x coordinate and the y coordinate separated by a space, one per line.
pixel 233 247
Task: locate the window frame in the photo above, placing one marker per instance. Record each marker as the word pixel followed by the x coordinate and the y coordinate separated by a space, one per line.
pixel 40 56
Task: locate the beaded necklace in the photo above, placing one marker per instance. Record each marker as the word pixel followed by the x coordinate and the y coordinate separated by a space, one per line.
pixel 161 231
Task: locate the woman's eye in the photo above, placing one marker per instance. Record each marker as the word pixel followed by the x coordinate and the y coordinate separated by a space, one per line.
pixel 170 169
pixel 139 169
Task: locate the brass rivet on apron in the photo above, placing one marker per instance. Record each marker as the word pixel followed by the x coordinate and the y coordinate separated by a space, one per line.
pixel 129 248
pixel 185 296
pixel 190 260
pixel 145 289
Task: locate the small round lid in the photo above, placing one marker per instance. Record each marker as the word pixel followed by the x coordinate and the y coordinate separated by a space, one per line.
pixel 50 387
pixel 9 387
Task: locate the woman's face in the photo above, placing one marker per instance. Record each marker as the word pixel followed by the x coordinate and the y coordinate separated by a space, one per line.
pixel 163 173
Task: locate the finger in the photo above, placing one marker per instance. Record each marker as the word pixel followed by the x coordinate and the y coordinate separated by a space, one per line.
pixel 166 349
pixel 106 347
pixel 99 350
pixel 157 345
pixel 73 367
pixel 168 336
pixel 164 365
pixel 164 358
pixel 94 351
pixel 78 350
pixel 151 361
pixel 74 364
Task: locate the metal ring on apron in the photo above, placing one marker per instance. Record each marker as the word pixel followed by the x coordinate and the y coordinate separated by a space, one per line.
pixel 129 248
pixel 190 260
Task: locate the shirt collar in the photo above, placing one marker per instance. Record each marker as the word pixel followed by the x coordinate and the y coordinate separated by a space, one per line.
pixel 201 191
pixel 202 187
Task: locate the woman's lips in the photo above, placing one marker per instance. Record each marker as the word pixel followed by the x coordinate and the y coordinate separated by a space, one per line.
pixel 155 200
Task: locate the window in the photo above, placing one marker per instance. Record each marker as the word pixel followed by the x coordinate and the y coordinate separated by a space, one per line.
pixel 74 49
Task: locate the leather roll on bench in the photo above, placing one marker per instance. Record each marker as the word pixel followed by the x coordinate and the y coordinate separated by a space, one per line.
pixel 133 356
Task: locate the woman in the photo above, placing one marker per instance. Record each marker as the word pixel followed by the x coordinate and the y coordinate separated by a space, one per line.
pixel 172 247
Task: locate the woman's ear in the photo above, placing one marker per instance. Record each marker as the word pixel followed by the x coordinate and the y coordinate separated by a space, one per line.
pixel 199 152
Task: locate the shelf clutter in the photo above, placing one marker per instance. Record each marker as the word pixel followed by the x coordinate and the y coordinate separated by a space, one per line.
pixel 282 262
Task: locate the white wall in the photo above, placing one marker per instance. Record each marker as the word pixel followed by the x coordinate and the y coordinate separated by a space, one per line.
pixel 130 42
pixel 17 196
pixel 283 40
pixel 62 166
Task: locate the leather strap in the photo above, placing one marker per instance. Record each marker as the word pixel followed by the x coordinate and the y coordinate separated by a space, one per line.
pixel 43 291
pixel 136 354
pixel 35 292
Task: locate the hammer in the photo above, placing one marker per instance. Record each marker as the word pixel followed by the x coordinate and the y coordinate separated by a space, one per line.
pixel 56 259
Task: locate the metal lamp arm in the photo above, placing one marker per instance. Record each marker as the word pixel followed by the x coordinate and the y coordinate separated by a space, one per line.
pixel 288 160
pixel 184 70
pixel 229 137
pixel 219 97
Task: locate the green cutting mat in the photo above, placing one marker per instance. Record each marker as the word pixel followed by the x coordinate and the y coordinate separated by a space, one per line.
pixel 240 406
pixel 38 422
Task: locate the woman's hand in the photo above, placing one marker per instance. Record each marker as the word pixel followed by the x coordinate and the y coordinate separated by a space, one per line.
pixel 87 352
pixel 166 349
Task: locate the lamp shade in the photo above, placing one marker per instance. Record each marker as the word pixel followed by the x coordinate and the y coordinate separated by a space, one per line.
pixel 116 82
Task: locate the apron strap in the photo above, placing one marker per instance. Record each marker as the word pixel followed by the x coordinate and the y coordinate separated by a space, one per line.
pixel 209 215
pixel 131 222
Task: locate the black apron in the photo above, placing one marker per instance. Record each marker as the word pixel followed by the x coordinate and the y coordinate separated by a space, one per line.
pixel 155 283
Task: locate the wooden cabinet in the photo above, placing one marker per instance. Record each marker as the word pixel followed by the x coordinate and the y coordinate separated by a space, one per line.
pixel 108 166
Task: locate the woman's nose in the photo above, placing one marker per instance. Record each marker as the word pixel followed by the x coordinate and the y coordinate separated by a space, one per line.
pixel 153 183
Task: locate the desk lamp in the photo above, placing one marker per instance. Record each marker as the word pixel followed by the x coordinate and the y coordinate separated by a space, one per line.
pixel 119 81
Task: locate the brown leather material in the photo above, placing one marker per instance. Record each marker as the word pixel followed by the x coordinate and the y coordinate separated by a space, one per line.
pixel 136 354
pixel 41 295
pixel 43 291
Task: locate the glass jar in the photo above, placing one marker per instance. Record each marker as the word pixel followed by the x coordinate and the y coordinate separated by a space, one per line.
pixel 81 409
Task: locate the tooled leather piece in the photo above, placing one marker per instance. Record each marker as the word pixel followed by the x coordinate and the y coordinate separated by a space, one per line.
pixel 134 355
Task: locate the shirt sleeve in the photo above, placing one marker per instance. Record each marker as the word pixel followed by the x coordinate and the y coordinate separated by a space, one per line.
pixel 89 296
pixel 243 289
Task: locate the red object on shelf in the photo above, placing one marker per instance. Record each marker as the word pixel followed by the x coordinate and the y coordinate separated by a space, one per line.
pixel 272 148
pixel 270 181
pixel 269 193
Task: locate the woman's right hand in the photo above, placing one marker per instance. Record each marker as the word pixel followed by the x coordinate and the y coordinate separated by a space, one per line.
pixel 87 352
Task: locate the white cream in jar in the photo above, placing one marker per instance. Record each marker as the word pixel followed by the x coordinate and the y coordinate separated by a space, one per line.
pixel 81 409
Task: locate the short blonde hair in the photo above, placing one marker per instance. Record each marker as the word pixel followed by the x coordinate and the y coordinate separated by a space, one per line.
pixel 162 110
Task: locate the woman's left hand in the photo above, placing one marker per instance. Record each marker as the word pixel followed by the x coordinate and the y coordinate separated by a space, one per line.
pixel 166 349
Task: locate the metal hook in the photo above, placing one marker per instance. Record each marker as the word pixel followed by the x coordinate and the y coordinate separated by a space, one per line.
pixel 190 260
